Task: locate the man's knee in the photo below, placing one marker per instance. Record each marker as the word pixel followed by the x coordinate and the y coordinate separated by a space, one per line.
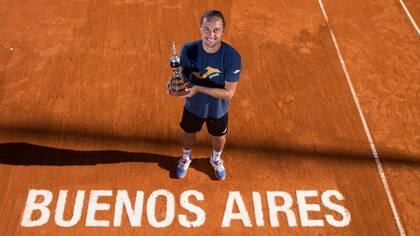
pixel 219 138
pixel 189 135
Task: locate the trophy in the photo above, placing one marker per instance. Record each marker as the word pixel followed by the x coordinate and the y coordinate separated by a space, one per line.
pixel 178 83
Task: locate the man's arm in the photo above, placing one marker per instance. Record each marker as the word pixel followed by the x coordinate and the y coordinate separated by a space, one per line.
pixel 223 93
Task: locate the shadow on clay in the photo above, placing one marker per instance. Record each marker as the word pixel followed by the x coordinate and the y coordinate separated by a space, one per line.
pixel 29 154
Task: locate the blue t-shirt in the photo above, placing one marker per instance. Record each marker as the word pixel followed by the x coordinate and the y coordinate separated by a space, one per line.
pixel 209 70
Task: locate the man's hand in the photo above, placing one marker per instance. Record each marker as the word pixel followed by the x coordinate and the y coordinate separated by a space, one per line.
pixel 192 90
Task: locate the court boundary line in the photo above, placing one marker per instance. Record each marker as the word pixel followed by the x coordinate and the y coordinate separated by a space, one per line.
pixel 364 123
pixel 413 22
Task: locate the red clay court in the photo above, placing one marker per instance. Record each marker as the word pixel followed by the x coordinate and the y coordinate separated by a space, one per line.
pixel 324 129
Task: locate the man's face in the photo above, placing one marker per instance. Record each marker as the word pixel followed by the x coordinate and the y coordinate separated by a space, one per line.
pixel 211 32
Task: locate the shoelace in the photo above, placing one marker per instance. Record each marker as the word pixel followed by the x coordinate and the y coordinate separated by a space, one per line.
pixel 184 163
pixel 218 165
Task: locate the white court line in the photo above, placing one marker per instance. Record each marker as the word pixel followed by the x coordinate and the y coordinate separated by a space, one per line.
pixel 365 126
pixel 410 17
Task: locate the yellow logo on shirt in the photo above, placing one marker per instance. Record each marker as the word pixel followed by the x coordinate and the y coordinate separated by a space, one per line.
pixel 210 73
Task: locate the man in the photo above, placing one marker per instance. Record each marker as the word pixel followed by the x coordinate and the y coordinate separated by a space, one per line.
pixel 213 67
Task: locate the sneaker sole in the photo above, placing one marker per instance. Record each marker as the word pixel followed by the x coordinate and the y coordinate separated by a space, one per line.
pixel 182 176
pixel 221 178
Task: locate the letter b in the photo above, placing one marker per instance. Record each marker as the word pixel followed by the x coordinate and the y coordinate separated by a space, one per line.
pixel 32 205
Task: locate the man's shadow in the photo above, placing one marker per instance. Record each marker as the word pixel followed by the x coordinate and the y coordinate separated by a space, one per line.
pixel 29 154
pixel 203 165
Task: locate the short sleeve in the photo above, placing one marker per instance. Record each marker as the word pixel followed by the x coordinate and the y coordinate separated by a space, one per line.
pixel 234 67
pixel 183 57
pixel 185 62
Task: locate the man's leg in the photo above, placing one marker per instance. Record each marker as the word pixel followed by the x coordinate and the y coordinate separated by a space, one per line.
pixel 218 143
pixel 188 140
pixel 218 129
pixel 190 125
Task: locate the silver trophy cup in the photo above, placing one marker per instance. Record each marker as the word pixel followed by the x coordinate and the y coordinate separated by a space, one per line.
pixel 178 84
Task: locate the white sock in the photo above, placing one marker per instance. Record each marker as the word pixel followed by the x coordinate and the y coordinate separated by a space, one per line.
pixel 216 155
pixel 186 153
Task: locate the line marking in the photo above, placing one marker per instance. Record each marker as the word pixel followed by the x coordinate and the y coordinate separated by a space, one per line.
pixel 413 22
pixel 365 126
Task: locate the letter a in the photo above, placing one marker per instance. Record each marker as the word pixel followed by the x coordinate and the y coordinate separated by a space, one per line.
pixel 235 197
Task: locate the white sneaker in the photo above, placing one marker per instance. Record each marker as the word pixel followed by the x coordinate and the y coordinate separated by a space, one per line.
pixel 218 168
pixel 183 164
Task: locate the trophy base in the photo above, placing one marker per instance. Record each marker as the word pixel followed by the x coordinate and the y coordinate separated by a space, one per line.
pixel 177 93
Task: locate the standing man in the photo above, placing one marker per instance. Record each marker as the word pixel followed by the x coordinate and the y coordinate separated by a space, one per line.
pixel 213 67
